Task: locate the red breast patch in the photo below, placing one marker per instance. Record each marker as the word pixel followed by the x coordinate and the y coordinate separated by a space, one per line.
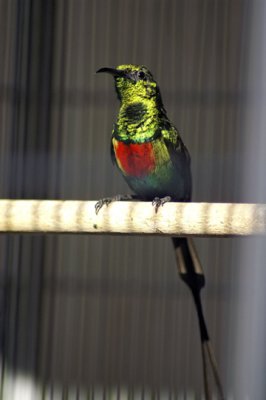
pixel 134 159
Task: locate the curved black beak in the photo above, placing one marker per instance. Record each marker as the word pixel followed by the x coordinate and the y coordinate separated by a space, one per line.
pixel 112 71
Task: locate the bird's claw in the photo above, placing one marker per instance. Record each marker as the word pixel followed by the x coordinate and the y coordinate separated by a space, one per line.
pixel 108 200
pixel 100 203
pixel 158 202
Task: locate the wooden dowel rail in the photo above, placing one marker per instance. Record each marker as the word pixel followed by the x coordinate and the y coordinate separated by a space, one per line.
pixel 133 217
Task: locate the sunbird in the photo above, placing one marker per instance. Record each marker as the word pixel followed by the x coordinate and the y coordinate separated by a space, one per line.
pixel 151 156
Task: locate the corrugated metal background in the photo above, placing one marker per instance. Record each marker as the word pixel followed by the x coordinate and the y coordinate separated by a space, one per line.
pixel 84 311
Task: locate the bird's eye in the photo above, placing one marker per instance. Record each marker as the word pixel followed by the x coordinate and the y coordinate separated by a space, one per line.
pixel 141 75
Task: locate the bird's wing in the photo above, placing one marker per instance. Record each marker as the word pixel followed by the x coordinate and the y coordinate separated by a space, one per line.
pixel 180 157
pixel 112 152
pixel 175 145
pixel 113 158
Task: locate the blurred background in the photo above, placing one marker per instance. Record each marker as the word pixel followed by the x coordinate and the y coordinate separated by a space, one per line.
pixel 85 317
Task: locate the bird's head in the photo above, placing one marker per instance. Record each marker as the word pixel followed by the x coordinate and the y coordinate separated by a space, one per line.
pixel 133 82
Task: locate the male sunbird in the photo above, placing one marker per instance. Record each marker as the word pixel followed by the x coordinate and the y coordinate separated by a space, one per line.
pixel 149 152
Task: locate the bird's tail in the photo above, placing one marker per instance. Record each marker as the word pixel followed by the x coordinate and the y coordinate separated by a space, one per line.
pixel 191 272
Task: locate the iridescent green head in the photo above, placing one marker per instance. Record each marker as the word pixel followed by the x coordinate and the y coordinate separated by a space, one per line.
pixel 133 82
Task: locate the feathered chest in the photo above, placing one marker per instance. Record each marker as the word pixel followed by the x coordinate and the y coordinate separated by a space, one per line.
pixel 135 159
pixel 141 159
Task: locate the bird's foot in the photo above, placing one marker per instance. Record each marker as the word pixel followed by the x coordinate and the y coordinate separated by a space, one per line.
pixel 108 200
pixel 158 202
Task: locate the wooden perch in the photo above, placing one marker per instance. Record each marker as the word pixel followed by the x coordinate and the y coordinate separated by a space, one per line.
pixel 130 217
